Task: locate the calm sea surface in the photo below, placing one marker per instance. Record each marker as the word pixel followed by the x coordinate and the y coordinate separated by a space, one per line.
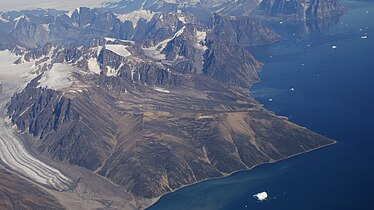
pixel 333 94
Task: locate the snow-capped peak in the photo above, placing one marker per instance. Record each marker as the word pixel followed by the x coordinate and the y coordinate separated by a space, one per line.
pixel 17 19
pixel 135 16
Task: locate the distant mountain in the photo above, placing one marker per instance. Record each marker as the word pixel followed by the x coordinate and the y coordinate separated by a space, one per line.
pixel 299 10
pixel 199 8
pixel 289 9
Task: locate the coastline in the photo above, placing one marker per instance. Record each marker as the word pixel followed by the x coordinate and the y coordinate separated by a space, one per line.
pixel 249 89
pixel 333 142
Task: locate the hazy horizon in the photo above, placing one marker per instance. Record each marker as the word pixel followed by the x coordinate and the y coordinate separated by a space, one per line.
pixel 45 4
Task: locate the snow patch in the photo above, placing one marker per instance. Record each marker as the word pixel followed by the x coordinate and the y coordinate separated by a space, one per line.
pixel 118 49
pixel 71 12
pixel 201 37
pixel 17 19
pixel 205 117
pixel 111 72
pixel 182 18
pixel 57 78
pixel 93 66
pixel 108 39
pixel 11 73
pixel 99 49
pixel 155 51
pixel 3 20
pixel 135 16
pixel 162 90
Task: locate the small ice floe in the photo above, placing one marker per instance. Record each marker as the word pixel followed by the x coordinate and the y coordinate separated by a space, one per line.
pixel 334 47
pixel 270 99
pixel 367 12
pixel 364 37
pixel 292 89
pixel 261 196
pixel 281 22
pixel 302 64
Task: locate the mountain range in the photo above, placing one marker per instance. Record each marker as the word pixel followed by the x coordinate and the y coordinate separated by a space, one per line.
pixel 115 109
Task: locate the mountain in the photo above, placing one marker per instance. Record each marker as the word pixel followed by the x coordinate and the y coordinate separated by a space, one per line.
pixel 118 109
pixel 300 10
pixel 290 9
pixel 153 130
pixel 200 9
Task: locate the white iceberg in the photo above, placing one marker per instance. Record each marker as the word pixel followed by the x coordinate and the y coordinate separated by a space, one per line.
pixel 292 89
pixel 364 37
pixel 261 196
pixel 270 99
pixel 334 47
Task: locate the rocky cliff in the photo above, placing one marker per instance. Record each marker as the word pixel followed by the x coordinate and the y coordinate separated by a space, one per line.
pixel 300 10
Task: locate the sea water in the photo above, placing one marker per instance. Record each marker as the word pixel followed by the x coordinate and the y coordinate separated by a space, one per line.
pixel 327 89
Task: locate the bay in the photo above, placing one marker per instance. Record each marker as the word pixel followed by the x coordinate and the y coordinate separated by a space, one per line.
pixel 330 91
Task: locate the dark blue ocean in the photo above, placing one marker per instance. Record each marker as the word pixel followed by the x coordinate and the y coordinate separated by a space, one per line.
pixel 333 94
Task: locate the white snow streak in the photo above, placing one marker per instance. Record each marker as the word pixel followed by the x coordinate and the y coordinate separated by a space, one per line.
pixel 162 90
pixel 155 51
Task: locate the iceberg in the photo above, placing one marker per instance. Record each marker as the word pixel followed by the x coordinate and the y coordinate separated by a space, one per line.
pixel 261 196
